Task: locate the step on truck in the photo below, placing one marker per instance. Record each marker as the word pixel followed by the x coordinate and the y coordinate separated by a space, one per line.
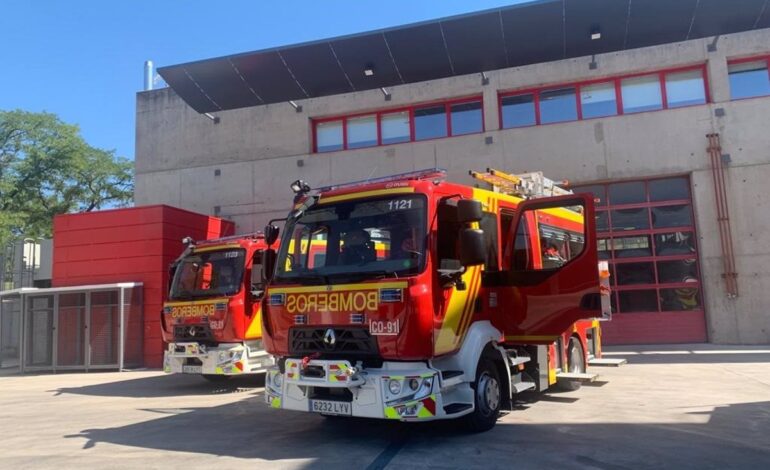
pixel 474 296
pixel 211 320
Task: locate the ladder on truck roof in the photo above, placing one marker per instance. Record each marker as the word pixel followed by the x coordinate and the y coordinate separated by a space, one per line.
pixel 526 185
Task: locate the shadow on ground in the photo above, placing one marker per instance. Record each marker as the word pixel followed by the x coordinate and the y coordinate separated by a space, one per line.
pixel 683 356
pixel 166 386
pixel 735 436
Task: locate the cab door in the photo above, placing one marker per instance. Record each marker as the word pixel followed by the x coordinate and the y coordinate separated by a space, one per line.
pixel 540 300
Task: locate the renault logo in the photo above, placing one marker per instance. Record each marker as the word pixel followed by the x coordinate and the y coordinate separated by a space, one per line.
pixel 330 339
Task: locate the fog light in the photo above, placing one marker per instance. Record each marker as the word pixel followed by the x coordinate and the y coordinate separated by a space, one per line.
pixel 413 384
pixel 394 386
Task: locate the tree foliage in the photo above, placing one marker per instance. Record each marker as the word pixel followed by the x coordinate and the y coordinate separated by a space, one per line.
pixel 47 168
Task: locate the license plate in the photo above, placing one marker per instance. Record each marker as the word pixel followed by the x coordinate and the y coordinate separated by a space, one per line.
pixel 192 369
pixel 383 328
pixel 330 407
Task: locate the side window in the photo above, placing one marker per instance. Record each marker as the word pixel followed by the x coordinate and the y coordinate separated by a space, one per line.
pixel 256 272
pixel 521 258
pixel 489 225
pixel 561 234
pixel 506 226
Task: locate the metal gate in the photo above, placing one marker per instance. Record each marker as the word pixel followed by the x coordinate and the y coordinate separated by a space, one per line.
pixel 72 328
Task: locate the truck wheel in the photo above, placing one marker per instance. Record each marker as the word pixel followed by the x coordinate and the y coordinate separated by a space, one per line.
pixel 487 398
pixel 216 378
pixel 575 363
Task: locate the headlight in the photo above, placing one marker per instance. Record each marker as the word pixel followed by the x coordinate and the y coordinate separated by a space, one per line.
pixel 413 384
pixel 394 386
pixel 277 380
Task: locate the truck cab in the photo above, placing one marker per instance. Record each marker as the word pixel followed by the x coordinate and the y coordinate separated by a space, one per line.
pixel 414 298
pixel 211 320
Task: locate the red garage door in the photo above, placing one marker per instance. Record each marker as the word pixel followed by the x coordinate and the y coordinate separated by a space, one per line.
pixel 647 233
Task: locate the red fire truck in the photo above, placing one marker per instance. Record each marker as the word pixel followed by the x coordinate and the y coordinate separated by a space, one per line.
pixel 211 320
pixel 476 296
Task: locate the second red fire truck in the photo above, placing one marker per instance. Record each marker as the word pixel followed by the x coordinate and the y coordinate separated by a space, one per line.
pixel 413 298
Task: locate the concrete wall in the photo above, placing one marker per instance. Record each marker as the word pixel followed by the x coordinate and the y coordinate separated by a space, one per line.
pixel 258 151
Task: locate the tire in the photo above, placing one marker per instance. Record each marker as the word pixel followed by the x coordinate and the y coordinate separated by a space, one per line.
pixel 487 397
pixel 575 364
pixel 216 378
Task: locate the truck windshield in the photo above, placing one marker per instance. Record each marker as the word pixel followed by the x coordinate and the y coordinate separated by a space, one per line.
pixel 208 274
pixel 354 239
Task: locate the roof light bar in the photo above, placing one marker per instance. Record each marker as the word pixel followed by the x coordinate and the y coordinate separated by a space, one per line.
pixel 427 173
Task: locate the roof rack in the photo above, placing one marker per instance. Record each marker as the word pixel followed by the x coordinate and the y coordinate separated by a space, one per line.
pixel 255 235
pixel 526 185
pixel 427 173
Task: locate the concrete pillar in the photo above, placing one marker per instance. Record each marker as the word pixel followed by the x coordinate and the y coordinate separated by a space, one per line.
pixel 719 84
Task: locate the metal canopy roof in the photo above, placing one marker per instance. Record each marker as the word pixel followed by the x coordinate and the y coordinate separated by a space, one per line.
pixel 539 31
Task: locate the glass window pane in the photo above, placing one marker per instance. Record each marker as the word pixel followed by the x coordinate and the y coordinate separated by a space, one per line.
pixel 362 132
pixel 604 248
pixel 599 191
pixel 558 106
pixel 430 123
pixel 632 247
pixel 466 118
pixel 638 301
pixel 630 219
pixel 598 100
pixel 685 270
pixel 328 136
pixel 627 193
pixel 671 216
pixel 395 127
pixel 679 299
pixel 518 111
pixel 685 88
pixel 641 94
pixel 669 189
pixel 748 80
pixel 676 243
pixel 635 273
pixel 602 221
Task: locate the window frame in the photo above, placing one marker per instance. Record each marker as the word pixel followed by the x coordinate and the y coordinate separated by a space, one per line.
pixel 609 235
pixel 616 80
pixel 410 109
pixel 743 60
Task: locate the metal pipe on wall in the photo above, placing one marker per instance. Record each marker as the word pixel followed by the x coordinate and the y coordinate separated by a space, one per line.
pixel 723 215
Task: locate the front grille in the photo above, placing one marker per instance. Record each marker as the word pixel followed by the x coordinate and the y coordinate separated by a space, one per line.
pixel 349 342
pixel 192 333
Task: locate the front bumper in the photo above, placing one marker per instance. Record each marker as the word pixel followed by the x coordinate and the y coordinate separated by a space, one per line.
pixel 366 390
pixel 223 359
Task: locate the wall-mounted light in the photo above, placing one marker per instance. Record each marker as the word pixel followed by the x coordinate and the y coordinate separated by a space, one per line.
pixel 596 33
pixel 212 117
pixel 484 78
pixel 386 93
pixel 297 107
pixel 369 70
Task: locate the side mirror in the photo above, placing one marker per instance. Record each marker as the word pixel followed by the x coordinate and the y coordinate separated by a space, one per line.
pixel 469 210
pixel 268 263
pixel 472 249
pixel 271 234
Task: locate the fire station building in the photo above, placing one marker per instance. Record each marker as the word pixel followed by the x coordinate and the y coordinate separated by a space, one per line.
pixel 660 108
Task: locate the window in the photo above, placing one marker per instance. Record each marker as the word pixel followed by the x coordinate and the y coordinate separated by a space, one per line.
pixel 641 94
pixel 518 111
pixel 451 118
pixel 598 100
pixel 362 132
pixel 466 118
pixel 558 106
pixel 648 236
pixel 430 123
pixel 395 127
pixel 329 136
pixel 685 89
pixel 749 79
pixel 606 97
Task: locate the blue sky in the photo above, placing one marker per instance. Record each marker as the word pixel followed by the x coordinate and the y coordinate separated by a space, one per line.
pixel 83 59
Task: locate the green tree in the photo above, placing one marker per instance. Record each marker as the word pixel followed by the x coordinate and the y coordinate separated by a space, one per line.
pixel 47 168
